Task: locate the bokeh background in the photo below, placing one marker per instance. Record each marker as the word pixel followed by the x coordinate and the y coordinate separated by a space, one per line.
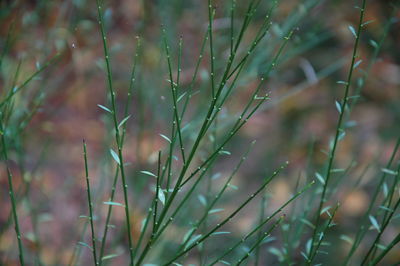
pixel 59 108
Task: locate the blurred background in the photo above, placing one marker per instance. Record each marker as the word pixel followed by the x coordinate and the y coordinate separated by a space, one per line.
pixel 59 108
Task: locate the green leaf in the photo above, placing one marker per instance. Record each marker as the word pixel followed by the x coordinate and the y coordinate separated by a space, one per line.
pixel 215 211
pixel 202 200
pixel 113 203
pixel 338 107
pixel 104 108
pixel 188 233
pixel 161 196
pixel 357 64
pixel 374 223
pixel 110 256
pixel 373 43
pixel 165 137
pixel 320 178
pixel 192 240
pixel 353 31
pixel 85 245
pixel 220 233
pixel 115 156
pixel 180 97
pixel 389 172
pixel 347 239
pixel 148 173
pixel 123 121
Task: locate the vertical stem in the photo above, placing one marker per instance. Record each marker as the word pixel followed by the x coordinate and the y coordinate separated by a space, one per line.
pixel 116 128
pixel 12 198
pixel 338 127
pixel 90 203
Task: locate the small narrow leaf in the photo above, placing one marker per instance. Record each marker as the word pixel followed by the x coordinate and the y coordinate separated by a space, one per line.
pixel 338 107
pixel 357 64
pixel 341 82
pixel 389 172
pixel 148 173
pixel 353 31
pixel 181 97
pixel 188 233
pixel 374 223
pixel 325 209
pixel 220 233
pixel 192 241
pixel 215 211
pixel 224 152
pixel 85 245
pixel 386 208
pixel 110 256
pixel 115 156
pixel 233 186
pixel 307 223
pixel 373 43
pixel 347 239
pixel 161 196
pixel 113 203
pixel 320 178
pixel 367 22
pixel 123 121
pixel 104 108
pixel 165 137
pixel 202 200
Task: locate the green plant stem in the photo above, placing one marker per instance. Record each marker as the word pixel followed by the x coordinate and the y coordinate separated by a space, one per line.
pixel 117 133
pixel 386 219
pixel 338 128
pixel 259 240
pixel 328 224
pixel 226 220
pixel 26 82
pixel 217 197
pixel 12 196
pixel 126 112
pixel 362 231
pixel 90 203
pixel 386 250
pixel 258 227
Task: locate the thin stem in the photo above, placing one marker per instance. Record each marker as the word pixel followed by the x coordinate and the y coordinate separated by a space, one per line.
pixel 259 240
pixel 362 230
pixel 126 112
pixel 12 197
pixel 157 192
pixel 339 129
pixel 386 250
pixel 174 91
pixel 26 82
pixel 226 220
pixel 90 203
pixel 257 228
pixel 116 128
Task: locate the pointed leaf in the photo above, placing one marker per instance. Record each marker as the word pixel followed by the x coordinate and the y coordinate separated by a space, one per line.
pixel 123 121
pixel 165 137
pixel 353 31
pixel 374 223
pixel 104 108
pixel 113 203
pixel 338 107
pixel 320 178
pixel 161 196
pixel 148 173
pixel 115 156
